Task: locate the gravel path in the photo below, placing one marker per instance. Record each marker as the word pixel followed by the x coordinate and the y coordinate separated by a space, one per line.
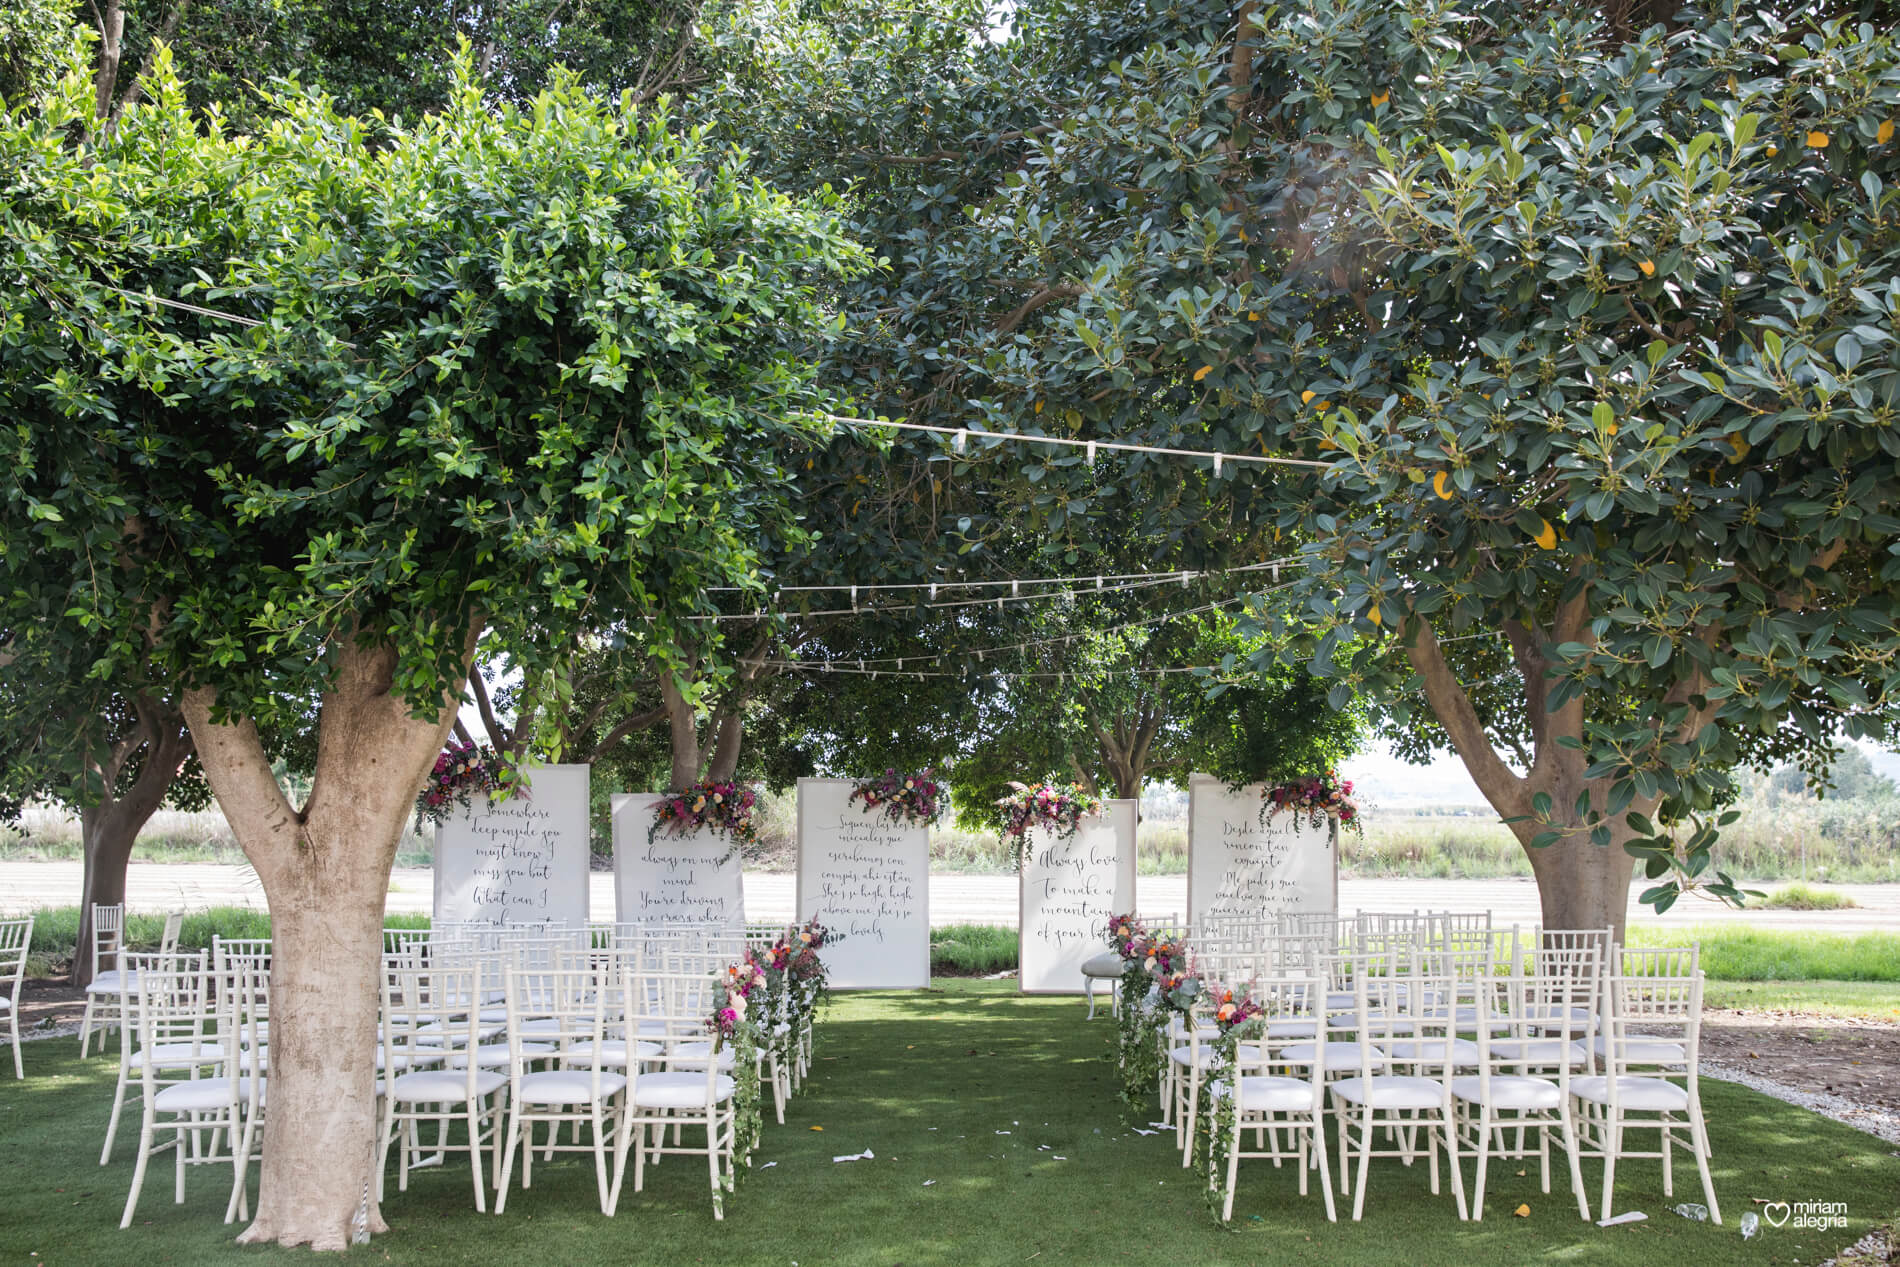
pixel 1874 1119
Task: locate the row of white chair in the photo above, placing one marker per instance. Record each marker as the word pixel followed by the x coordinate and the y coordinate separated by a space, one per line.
pixel 1462 1048
pixel 501 1035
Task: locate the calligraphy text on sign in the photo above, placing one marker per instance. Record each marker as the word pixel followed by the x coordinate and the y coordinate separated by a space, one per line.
pixel 866 880
pixel 1069 890
pixel 514 851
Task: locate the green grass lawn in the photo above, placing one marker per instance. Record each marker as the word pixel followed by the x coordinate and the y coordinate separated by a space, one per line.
pixel 929 1081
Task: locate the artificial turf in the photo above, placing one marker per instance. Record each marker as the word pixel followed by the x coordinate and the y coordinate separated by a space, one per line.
pixel 998 1139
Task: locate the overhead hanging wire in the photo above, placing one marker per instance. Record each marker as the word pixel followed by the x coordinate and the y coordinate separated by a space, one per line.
pixel 960 439
pixel 1091 578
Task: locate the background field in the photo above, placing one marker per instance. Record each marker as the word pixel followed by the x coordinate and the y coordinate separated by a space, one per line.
pixel 1852 839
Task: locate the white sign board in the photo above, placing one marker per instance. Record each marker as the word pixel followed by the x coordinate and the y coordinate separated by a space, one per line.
pixel 691 878
pixel 1240 865
pixel 518 861
pixel 1070 889
pixel 866 879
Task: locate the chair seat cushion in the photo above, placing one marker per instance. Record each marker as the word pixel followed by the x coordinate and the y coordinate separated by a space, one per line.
pixel 568 1086
pixel 1261 1094
pixel 1509 1091
pixel 201 1096
pixel 1538 1051
pixel 443 1086
pixel 114 982
pixel 178 1055
pixel 1106 964
pixel 693 1055
pixel 1336 1056
pixel 1643 1051
pixel 1292 1029
pixel 1186 1056
pixel 1464 1052
pixel 679 1091
pixel 5 1003
pixel 613 1053
pixel 495 1055
pixel 1390 1091
pixel 1646 1095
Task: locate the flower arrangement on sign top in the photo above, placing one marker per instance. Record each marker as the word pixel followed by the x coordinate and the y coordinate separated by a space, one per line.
pixel 915 800
pixel 724 807
pixel 1061 807
pixel 1318 796
pixel 462 772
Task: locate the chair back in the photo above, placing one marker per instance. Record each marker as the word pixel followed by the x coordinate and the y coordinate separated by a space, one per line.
pixel 168 939
pixel 108 936
pixel 568 1007
pixel 1654 1020
pixel 178 1016
pixel 16 938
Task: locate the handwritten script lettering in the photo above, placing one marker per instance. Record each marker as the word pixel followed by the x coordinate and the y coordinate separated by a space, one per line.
pixel 865 878
pixel 1069 893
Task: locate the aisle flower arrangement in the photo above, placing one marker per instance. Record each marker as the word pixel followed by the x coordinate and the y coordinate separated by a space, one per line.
pixel 1319 797
pixel 783 982
pixel 1157 983
pixel 1061 807
pixel 913 800
pixel 1238 1018
pixel 462 772
pixel 725 808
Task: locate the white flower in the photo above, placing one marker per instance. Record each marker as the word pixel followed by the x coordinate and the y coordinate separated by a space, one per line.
pixel 736 1001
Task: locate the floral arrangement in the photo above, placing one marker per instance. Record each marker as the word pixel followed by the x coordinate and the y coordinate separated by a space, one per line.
pixel 1061 807
pixel 1318 796
pixel 1121 930
pixel 461 773
pixel 915 800
pixel 724 807
pixel 1158 981
pixel 1230 1010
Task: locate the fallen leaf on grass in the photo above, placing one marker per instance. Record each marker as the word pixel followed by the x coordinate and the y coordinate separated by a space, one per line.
pixel 818 1128
pixel 1523 1211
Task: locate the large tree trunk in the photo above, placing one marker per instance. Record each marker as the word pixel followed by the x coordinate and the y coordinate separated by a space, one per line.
pixel 1579 884
pixel 109 829
pixel 326 875
pixel 725 758
pixel 683 733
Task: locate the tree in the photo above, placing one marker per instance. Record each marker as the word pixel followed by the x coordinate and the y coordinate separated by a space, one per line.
pixel 1584 326
pixel 497 371
pixel 112 756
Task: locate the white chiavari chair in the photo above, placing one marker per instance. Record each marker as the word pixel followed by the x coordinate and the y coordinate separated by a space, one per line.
pixel 1406 1096
pixel 16 939
pixel 429 1012
pixel 112 991
pixel 1269 1098
pixel 567 1008
pixel 1651 1070
pixel 1525 1057
pixel 187 1059
pixel 687 1086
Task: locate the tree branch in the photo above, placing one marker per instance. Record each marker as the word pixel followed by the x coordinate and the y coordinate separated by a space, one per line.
pixel 1043 297
pixel 498 738
pixel 627 725
pixel 1503 788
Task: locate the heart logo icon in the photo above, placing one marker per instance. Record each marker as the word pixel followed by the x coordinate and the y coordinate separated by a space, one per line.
pixel 1776 1212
